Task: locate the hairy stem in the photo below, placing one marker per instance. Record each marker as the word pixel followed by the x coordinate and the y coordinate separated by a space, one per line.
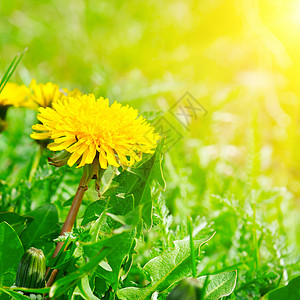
pixel 67 227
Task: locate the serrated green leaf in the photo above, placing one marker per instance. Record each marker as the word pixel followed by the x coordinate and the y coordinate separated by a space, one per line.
pixel 138 180
pixel 290 291
pixel 11 251
pixel 220 285
pixel 165 270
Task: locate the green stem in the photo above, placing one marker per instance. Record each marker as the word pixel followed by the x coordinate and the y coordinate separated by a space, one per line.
pixel 68 225
pixel 190 230
pixel 256 251
pixel 35 163
pixel 89 171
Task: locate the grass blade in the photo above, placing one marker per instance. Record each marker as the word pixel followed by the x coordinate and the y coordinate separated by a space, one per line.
pixel 11 69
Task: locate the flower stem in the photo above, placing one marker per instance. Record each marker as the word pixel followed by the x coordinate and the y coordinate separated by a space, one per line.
pixel 90 171
pixel 83 186
pixel 35 163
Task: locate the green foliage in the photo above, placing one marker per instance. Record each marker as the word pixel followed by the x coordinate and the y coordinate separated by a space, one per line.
pixel 13 294
pixel 220 285
pixel 290 291
pixel 205 287
pixel 137 222
pixel 44 227
pixel 116 259
pixel 15 220
pixel 10 70
pixel 228 170
pixel 96 252
pixel 11 251
pixel 165 270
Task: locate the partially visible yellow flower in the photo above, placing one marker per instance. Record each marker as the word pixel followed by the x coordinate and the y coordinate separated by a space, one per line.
pixel 44 94
pixel 91 129
pixel 15 95
pixel 73 93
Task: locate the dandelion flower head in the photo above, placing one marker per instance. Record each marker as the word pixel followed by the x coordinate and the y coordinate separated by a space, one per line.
pixel 89 128
pixel 15 95
pixel 44 95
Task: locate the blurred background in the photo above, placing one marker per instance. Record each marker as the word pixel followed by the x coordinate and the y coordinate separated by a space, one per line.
pixel 239 60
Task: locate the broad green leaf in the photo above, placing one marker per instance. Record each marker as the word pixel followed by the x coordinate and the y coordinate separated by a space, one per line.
pixel 290 291
pixel 165 270
pixel 220 285
pixel 11 251
pixel 42 229
pixel 16 221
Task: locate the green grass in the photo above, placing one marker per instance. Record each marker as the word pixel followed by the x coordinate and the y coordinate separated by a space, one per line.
pixel 253 233
pixel 234 171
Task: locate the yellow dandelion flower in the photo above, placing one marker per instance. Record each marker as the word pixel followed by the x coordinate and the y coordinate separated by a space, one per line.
pixel 92 129
pixel 15 95
pixel 73 93
pixel 45 94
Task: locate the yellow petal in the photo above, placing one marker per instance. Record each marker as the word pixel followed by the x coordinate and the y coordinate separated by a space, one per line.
pixel 75 147
pixel 39 127
pixel 73 158
pixel 102 160
pixel 83 158
pixel 111 159
pixel 61 146
pixel 40 135
pixel 91 155
pixel 82 148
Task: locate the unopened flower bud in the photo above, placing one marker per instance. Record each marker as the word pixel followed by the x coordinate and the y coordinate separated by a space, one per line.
pixel 31 270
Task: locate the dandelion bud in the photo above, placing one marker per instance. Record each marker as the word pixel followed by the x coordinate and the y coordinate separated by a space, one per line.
pixel 31 270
